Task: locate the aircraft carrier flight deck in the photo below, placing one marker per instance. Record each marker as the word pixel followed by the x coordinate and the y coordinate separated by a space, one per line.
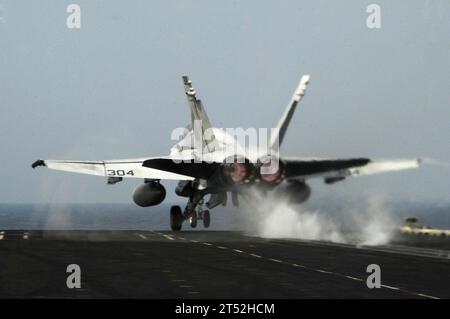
pixel 211 264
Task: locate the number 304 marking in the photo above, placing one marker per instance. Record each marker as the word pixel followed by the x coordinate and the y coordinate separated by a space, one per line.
pixel 119 172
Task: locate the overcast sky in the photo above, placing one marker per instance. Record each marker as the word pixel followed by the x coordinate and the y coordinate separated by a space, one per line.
pixel 113 89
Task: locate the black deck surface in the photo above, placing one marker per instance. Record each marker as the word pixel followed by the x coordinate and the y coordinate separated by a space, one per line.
pixel 215 264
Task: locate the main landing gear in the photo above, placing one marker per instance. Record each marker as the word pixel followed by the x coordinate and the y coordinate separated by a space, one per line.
pixel 177 218
pixel 193 212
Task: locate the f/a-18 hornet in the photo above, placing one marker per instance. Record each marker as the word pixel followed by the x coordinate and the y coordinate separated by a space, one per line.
pixel 209 161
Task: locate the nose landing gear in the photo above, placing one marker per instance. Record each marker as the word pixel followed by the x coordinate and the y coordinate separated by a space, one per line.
pixel 201 214
pixel 206 219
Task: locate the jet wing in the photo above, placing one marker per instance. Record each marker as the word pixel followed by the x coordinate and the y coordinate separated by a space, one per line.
pixel 112 168
pixel 334 170
pixel 202 170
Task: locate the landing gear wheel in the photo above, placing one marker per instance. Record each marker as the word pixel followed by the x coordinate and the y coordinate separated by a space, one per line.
pixel 193 220
pixel 176 218
pixel 206 219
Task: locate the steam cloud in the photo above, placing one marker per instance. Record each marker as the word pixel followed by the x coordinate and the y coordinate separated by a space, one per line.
pixel 271 217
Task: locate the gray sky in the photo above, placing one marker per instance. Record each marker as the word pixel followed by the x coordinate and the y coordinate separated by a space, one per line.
pixel 112 89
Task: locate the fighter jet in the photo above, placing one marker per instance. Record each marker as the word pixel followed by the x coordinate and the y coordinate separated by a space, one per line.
pixel 211 164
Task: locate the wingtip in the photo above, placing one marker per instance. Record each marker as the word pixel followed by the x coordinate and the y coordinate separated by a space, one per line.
pixel 38 163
